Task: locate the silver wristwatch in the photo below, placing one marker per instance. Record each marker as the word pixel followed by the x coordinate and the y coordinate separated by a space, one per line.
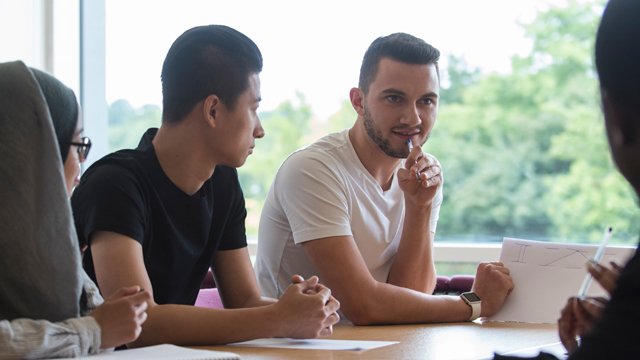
pixel 473 300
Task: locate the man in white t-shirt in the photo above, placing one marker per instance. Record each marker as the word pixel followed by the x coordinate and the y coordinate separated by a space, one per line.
pixel 359 208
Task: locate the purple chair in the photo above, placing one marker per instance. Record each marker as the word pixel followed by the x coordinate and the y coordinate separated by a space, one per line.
pixel 442 285
pixel 208 296
pixel 453 285
pixel 460 283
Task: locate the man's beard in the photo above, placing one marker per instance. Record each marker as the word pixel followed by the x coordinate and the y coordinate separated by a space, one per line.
pixel 382 143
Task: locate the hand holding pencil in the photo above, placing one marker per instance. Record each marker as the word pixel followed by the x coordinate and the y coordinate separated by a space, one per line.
pixel 606 276
pixel 420 177
pixel 595 262
pixel 581 312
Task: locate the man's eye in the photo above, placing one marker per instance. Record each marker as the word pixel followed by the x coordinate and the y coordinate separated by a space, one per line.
pixel 428 101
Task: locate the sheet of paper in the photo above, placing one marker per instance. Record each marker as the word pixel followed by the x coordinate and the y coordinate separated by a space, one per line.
pixel 556 349
pixel 315 344
pixel 164 352
pixel 546 274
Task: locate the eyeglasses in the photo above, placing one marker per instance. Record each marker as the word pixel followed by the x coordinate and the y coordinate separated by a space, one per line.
pixel 82 148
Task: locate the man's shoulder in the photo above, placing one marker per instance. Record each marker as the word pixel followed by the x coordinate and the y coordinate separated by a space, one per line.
pixel 108 184
pixel 128 160
pixel 119 161
pixel 328 149
pixel 337 140
pixel 115 168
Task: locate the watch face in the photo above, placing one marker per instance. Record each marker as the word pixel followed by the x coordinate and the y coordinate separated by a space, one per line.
pixel 471 297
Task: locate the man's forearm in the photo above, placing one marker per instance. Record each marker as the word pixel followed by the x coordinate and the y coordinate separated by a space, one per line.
pixel 413 266
pixel 388 304
pixel 260 301
pixel 190 325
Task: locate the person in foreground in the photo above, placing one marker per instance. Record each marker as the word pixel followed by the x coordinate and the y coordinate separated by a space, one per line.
pixel 48 305
pixel 611 333
pixel 360 207
pixel 163 214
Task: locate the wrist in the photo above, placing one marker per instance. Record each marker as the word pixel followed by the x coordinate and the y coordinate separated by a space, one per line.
pixel 275 324
pixel 423 208
pixel 474 302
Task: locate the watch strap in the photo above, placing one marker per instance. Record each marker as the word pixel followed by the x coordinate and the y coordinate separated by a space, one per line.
pixel 476 307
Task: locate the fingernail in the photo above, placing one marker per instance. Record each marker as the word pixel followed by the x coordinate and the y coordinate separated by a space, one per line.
pixel 594 264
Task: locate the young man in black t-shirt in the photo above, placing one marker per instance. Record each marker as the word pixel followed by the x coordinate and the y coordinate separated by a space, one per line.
pixel 162 214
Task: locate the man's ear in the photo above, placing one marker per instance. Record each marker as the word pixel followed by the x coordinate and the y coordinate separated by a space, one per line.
pixel 622 121
pixel 357 99
pixel 210 107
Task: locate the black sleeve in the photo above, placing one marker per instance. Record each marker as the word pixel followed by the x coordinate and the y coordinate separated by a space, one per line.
pixel 108 198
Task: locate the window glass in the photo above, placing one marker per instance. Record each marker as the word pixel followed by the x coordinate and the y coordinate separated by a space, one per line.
pixel 519 132
pixel 66 43
pixel 42 36
pixel 20 31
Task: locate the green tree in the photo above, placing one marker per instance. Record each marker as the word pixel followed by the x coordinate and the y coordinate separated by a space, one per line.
pixel 458 76
pixel 342 119
pixel 126 124
pixel 524 153
pixel 287 128
pixel 119 112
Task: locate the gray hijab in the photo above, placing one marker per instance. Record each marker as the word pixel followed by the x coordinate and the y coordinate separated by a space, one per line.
pixel 40 273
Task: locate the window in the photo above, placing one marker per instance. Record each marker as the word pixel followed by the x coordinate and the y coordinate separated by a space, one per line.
pixel 23 31
pixel 519 131
pixel 42 35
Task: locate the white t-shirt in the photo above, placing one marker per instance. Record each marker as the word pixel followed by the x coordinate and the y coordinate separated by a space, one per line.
pixel 321 191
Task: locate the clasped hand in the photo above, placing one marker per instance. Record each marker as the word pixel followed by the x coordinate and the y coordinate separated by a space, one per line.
pixel 310 308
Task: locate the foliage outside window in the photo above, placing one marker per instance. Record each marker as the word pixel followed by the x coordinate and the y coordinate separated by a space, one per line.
pixel 524 153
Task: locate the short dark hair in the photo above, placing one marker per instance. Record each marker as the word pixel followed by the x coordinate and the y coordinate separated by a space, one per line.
pixel 205 60
pixel 400 47
pixel 617 52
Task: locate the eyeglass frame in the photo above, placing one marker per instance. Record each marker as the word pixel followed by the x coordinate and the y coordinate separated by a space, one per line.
pixel 82 148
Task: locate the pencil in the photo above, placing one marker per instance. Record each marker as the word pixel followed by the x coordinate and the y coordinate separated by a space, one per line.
pixel 596 259
pixel 410 145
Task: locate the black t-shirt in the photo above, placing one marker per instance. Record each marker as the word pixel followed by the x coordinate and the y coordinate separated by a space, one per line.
pixel 128 193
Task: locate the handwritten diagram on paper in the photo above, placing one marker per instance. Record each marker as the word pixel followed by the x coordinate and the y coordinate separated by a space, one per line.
pixel 554 256
pixel 546 274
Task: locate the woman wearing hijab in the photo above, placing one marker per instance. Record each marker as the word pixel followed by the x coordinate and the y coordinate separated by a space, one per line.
pixel 48 305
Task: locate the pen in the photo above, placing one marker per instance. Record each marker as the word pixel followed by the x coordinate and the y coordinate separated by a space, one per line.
pixel 595 260
pixel 410 145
